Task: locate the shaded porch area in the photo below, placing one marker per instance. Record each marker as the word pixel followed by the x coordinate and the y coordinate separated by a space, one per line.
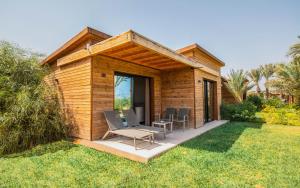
pixel 124 147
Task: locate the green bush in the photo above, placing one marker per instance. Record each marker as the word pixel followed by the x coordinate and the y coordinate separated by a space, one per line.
pixel 239 112
pixel 256 101
pixel 29 112
pixel 274 101
pixel 287 115
pixel 122 103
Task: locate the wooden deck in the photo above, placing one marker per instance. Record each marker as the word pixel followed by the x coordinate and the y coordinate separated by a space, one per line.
pixel 123 147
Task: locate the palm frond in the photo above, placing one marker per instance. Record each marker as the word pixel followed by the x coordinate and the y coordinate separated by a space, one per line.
pixel 237 84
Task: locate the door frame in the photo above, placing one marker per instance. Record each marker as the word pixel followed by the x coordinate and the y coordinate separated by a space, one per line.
pixel 151 90
pixel 206 102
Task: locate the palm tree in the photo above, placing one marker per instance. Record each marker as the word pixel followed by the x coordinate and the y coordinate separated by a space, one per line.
pixel 119 80
pixel 268 71
pixel 288 79
pixel 237 84
pixel 295 50
pixel 255 76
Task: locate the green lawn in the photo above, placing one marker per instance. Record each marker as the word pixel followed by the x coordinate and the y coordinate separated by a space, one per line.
pixel 234 155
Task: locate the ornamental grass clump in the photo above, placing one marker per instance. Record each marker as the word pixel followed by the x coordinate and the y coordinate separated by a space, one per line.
pixel 29 109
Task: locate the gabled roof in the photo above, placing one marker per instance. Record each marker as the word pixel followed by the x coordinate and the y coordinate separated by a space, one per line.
pixel 83 36
pixel 197 46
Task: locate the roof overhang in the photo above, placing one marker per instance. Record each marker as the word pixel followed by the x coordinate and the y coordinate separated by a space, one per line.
pixel 85 35
pixel 198 47
pixel 133 47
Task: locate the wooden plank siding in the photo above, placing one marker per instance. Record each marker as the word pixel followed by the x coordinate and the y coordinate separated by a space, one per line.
pixel 74 88
pixel 200 76
pixel 177 90
pixel 103 88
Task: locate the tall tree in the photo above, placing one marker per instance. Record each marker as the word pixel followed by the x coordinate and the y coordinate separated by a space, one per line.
pixel 255 76
pixel 268 71
pixel 237 84
pixel 288 79
pixel 294 50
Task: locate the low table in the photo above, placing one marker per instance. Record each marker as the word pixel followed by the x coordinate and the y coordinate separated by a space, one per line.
pixel 163 124
pixel 135 134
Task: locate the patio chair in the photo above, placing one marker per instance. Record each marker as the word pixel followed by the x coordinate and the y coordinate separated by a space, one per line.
pixel 182 117
pixel 132 121
pixel 168 115
pixel 115 126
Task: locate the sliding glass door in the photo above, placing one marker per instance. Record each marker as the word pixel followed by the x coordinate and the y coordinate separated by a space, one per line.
pixel 209 100
pixel 133 92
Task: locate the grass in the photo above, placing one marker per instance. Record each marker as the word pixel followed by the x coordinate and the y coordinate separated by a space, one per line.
pixel 234 155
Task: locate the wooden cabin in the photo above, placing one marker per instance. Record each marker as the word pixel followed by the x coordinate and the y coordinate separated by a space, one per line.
pixel 86 68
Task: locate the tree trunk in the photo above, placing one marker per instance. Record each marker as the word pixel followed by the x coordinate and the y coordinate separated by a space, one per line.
pixel 267 88
pixel 297 100
pixel 267 93
pixel 257 89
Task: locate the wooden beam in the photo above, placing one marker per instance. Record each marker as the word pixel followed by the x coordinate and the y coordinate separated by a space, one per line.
pixel 153 59
pixel 172 65
pixel 145 56
pixel 73 57
pixel 147 43
pixel 160 61
pixel 134 53
pixel 123 49
pixel 95 49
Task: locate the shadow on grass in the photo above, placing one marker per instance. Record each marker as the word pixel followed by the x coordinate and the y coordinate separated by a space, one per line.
pixel 222 138
pixel 43 149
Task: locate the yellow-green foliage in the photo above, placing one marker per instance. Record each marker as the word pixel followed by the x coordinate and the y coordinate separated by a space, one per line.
pixel 30 113
pixel 284 115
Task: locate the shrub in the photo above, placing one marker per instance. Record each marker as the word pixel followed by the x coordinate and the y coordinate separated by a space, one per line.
pixel 256 101
pixel 238 112
pixel 287 115
pixel 274 101
pixel 29 113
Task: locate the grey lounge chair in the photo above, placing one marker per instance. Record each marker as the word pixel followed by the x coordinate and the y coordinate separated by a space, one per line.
pixel 169 114
pixel 182 117
pixel 132 121
pixel 115 126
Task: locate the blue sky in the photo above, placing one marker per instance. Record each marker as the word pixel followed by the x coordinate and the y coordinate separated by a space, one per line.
pixel 244 34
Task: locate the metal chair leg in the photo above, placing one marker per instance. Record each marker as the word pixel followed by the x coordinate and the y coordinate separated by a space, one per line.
pixel 134 143
pixel 105 135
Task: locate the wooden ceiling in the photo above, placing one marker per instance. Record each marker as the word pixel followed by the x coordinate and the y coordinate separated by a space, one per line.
pixel 138 54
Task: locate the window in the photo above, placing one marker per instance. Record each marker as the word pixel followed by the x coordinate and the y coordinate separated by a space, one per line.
pixel 123 92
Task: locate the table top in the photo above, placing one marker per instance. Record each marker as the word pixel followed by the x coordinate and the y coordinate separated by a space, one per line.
pixel 161 122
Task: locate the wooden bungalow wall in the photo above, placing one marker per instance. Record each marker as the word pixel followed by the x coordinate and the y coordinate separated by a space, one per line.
pixel 74 88
pixel 178 90
pixel 103 88
pixel 200 76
